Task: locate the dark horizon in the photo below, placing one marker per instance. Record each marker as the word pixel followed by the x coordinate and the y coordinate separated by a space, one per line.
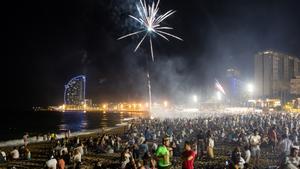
pixel 49 42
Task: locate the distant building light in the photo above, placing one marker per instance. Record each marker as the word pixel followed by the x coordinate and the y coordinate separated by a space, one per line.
pixel 219 95
pixel 166 103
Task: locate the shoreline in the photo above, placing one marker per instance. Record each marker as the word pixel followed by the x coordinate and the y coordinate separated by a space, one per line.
pixel 39 156
pixel 33 140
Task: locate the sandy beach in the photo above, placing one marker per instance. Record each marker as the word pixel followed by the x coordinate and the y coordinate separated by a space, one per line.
pixel 39 152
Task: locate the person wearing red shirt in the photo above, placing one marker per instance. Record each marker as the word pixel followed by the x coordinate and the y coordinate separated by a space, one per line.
pixel 188 156
pixel 273 138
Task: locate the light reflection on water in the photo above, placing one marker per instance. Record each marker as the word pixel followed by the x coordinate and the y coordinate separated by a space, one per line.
pixel 78 121
pixel 44 122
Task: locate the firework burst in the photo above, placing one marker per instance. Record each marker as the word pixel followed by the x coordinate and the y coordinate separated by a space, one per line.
pixel 151 24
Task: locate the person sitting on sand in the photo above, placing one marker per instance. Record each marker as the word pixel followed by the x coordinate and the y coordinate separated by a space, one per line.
pixel 25 139
pixel 51 163
pixel 64 148
pixel 66 157
pixel 57 148
pixel 27 154
pixel 125 158
pixel 98 165
pixel 2 157
pixel 15 154
pixel 80 148
pixel 61 163
pixel 109 149
pixel 77 159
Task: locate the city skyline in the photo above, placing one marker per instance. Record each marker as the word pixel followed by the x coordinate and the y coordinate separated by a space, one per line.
pixel 51 42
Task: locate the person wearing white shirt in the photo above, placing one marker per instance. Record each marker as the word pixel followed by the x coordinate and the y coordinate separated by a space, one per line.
pixel 210 147
pixel 80 148
pixel 247 154
pixel 15 154
pixel 255 141
pixel 65 149
pixel 284 147
pixel 292 161
pixel 51 163
pixel 77 159
pixel 3 154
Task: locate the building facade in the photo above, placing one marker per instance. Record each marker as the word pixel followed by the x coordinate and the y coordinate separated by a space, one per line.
pixel 272 74
pixel 232 85
pixel 295 86
pixel 75 91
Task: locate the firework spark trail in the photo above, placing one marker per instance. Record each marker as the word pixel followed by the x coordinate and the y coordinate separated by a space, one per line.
pixel 151 24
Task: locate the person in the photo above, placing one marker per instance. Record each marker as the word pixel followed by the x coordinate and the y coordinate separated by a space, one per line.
pixel 66 157
pixel 255 141
pixel 147 134
pixel 284 147
pixel 25 139
pixel 247 154
pixel 143 148
pixel 69 133
pixel 63 149
pixel 2 157
pixel 201 144
pixel 51 163
pixel 98 165
pixel 210 146
pixel 15 154
pixel 80 148
pixel 188 156
pixel 154 148
pixel 77 159
pixel 53 136
pixel 27 154
pixel 292 161
pixel 61 163
pixel 294 136
pixel 109 149
pixel 273 138
pixel 125 158
pixel 163 155
pixel 237 162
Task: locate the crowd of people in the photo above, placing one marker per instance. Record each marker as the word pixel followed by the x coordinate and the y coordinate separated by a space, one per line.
pixel 273 134
pixel 187 143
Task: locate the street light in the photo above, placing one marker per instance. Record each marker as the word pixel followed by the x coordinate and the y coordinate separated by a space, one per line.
pixel 219 95
pixel 250 88
pixel 165 103
pixel 195 98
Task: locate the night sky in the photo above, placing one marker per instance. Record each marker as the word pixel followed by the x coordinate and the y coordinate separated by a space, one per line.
pixel 49 42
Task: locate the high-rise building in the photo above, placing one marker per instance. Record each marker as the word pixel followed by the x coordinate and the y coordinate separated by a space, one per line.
pixel 232 85
pixel 75 91
pixel 272 74
pixel 295 86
